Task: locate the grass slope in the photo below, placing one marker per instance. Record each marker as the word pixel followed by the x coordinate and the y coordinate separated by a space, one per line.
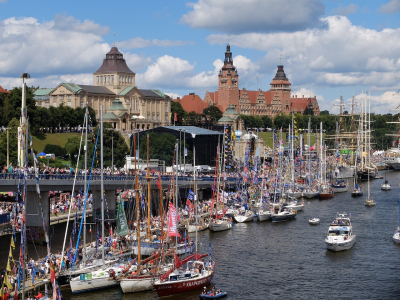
pixel 42 139
pixel 267 137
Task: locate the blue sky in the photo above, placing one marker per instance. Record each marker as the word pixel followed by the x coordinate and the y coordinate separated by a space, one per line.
pixel 328 46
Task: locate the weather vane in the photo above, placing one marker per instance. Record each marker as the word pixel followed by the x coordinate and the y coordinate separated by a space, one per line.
pixel 280 59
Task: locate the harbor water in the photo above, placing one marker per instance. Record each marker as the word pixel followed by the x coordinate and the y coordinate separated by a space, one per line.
pixel 289 260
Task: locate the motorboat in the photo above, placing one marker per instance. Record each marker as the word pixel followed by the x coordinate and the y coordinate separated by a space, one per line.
pixel 283 214
pixel 369 202
pixel 340 235
pixel 296 205
pixel 313 221
pixel 192 227
pixel 392 158
pixel 396 236
pixel 386 186
pixel 220 224
pixel 263 215
pixel 340 186
pixel 211 295
pixel 246 216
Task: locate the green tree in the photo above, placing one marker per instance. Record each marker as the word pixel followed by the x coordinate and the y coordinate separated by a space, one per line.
pixel 72 147
pixel 177 108
pixel 192 118
pixel 324 112
pixel 267 122
pixel 13 103
pixel 212 114
pixel 308 111
pixel 160 147
pixel 282 121
pixel 56 149
pixel 13 143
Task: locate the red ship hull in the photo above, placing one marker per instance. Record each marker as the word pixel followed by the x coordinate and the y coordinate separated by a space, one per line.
pixel 168 288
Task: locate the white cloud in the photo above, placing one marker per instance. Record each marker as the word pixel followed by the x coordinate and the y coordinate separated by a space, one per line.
pixel 351 9
pixel 390 8
pixel 49 48
pixel 236 16
pixel 174 95
pixel 327 57
pixel 3 1
pixel 139 42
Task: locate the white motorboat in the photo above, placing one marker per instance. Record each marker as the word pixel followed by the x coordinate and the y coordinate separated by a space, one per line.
pixel 396 236
pixel 392 158
pixel 294 194
pixel 369 202
pixel 283 214
pixel 386 186
pixel 231 211
pixel 220 224
pixel 246 216
pixel 340 234
pixel 313 221
pixel 263 215
pixel 296 205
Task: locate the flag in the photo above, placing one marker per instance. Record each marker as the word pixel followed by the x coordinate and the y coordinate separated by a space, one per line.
pixel 172 220
pixel 33 274
pixel 7 281
pixel 185 242
pixel 189 204
pixel 191 247
pixel 175 117
pixel 54 289
pixel 52 273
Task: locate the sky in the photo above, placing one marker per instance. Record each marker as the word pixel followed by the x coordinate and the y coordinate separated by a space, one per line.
pixel 327 47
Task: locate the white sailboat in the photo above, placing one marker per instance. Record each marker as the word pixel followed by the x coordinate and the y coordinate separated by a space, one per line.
pixel 106 276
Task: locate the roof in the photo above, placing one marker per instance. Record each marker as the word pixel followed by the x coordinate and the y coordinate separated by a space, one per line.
pixel 72 87
pixel 193 130
pixel 231 110
pixel 268 97
pixel 93 89
pixel 117 105
pixel 192 103
pixel 40 92
pixel 280 74
pixel 126 90
pixel 109 116
pixel 149 94
pixel 213 96
pixel 225 119
pixel 299 104
pixel 114 63
pixel 3 91
pixel 161 94
pixel 251 94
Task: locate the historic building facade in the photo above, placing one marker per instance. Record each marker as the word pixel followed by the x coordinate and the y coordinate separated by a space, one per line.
pixel 124 105
pixel 259 103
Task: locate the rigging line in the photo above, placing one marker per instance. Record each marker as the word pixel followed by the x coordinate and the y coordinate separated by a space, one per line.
pixel 73 189
pixel 86 197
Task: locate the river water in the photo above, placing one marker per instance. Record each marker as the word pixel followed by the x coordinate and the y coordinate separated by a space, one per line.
pixel 290 261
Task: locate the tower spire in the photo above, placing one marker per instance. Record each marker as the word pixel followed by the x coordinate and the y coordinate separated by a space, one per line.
pixel 114 39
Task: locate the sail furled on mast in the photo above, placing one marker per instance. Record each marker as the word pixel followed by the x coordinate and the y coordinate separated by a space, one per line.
pixel 122 224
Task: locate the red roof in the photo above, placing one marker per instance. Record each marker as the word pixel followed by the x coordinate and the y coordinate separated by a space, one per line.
pixel 3 91
pixel 268 97
pixel 299 104
pixel 192 103
pixel 213 97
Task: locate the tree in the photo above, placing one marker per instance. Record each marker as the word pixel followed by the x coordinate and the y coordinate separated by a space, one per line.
pixel 282 121
pixel 192 118
pixel 13 143
pixel 72 147
pixel 212 114
pixel 177 108
pixel 56 149
pixel 324 112
pixel 13 103
pixel 267 122
pixel 160 147
pixel 308 111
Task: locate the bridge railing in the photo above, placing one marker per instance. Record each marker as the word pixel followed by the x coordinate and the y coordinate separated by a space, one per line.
pixel 80 177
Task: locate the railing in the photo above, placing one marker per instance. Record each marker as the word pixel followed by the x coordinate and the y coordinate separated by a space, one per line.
pixel 17 176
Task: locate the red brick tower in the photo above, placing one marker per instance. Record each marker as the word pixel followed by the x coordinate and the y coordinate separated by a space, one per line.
pixel 228 83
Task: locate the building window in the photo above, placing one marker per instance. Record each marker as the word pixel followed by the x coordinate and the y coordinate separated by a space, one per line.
pixel 81 104
pixel 69 97
pixel 69 104
pixel 54 97
pixel 101 78
pixel 109 78
pixel 47 104
pixel 61 97
pixel 98 79
pixel 112 78
pixel 55 104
